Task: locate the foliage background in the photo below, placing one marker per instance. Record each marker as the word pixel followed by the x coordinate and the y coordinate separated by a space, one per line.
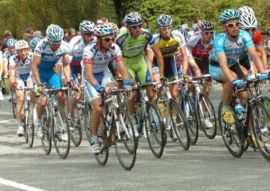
pixel 16 15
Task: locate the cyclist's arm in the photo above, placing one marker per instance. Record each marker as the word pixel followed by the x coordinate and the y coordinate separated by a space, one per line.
pixel 184 60
pixel 256 59
pixel 35 63
pixel 159 58
pixel 66 67
pixel 224 66
pixel 121 67
pixel 262 55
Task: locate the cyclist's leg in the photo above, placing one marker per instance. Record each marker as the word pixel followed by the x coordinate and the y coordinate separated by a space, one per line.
pixel 203 65
pixel 20 107
pixel 144 76
pixel 170 72
pixel 76 95
pixel 131 101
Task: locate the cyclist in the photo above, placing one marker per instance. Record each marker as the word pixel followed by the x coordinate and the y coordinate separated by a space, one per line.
pixel 1 72
pixel 48 51
pixel 77 44
pixel 200 46
pixel 169 42
pixel 19 76
pixel 248 23
pixel 96 57
pixel 227 49
pixel 133 41
pixel 7 54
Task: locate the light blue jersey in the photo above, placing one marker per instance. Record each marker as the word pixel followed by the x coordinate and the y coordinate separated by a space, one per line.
pixel 232 49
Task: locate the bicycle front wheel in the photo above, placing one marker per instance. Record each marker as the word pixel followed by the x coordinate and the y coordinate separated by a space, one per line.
pixel 29 124
pixel 232 135
pixel 125 141
pixel 189 111
pixel 180 125
pixel 261 128
pixel 61 134
pixel 154 130
pixel 46 122
pixel 206 116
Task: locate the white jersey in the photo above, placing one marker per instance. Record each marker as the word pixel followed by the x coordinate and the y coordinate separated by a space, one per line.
pixel 100 60
pixel 22 67
pixel 77 45
pixel 48 57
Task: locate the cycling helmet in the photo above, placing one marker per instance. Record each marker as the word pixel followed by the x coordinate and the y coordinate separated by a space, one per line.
pixel 184 27
pixel 34 41
pixel 248 21
pixel 11 43
pixel 195 27
pixel 37 34
pixel 102 30
pixel 207 25
pixel 55 33
pixel 21 44
pixel 133 18
pixel 229 14
pixel 115 28
pixel 87 27
pixel 164 20
pixel 246 10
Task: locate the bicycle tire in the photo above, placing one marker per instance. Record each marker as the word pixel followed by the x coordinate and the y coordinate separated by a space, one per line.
pixel 154 130
pixel 229 136
pixel 13 103
pixel 126 145
pixel 76 129
pixel 210 133
pixel 58 130
pixel 180 125
pixel 191 118
pixel 261 131
pixel 29 124
pixel 102 157
pixel 46 140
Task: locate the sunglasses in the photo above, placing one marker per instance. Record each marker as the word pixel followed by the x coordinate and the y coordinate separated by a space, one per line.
pixel 54 43
pixel 208 32
pixel 165 28
pixel 88 34
pixel 250 29
pixel 108 39
pixel 136 26
pixel 231 25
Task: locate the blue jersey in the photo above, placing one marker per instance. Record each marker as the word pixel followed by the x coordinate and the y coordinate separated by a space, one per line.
pixel 48 57
pixel 232 49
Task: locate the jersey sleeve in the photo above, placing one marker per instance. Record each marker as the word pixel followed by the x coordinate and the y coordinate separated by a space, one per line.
pixel 218 44
pixel 12 63
pixel 149 37
pixel 258 39
pixel 192 42
pixel 179 38
pixel 117 53
pixel 39 48
pixel 87 56
pixel 247 39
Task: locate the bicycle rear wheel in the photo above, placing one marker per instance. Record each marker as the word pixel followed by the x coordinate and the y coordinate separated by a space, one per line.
pixel 125 141
pixel 206 116
pixel 76 128
pixel 46 122
pixel 29 124
pixel 61 134
pixel 261 128
pixel 180 125
pixel 232 135
pixel 154 130
pixel 189 110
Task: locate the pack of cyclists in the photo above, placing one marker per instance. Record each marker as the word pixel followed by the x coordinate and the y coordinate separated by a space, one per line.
pixel 101 58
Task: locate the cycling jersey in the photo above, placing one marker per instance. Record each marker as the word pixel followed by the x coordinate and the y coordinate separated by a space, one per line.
pixel 22 67
pixel 48 57
pixel 99 59
pixel 169 47
pixel 6 55
pixel 133 53
pixel 199 50
pixel 48 61
pixel 257 38
pixel 232 49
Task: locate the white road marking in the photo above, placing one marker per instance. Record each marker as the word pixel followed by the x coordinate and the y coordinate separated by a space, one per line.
pixel 18 185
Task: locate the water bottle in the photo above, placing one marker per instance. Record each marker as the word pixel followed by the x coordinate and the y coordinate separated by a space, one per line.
pixel 239 111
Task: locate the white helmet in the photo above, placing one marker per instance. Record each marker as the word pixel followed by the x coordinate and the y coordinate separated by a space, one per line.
pixel 21 44
pixel 248 21
pixel 246 10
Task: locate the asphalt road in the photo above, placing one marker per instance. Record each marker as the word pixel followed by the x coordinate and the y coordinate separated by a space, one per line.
pixel 206 166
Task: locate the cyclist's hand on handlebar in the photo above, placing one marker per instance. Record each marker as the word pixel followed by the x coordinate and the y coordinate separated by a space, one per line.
pixel 238 82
